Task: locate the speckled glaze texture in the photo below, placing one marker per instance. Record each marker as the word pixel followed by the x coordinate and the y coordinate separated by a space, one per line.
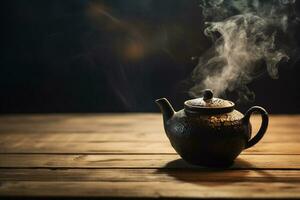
pixel 208 134
pixel 210 140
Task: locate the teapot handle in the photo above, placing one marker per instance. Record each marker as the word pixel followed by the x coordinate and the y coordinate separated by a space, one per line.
pixel 263 127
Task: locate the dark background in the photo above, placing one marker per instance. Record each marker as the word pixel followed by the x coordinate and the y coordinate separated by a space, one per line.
pixel 113 56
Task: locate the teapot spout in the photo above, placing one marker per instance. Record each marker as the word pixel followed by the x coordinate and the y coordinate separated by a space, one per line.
pixel 165 107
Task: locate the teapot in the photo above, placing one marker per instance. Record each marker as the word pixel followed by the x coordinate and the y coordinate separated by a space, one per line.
pixel 209 131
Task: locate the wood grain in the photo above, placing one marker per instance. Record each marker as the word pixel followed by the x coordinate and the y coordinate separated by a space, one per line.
pixel 138 161
pixel 128 155
pixel 127 147
pixel 141 135
pixel 115 123
pixel 174 189
pixel 150 175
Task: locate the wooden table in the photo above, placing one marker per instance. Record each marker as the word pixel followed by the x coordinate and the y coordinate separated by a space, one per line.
pixel 128 155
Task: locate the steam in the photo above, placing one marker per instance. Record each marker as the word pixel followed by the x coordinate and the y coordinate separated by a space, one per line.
pixel 245 44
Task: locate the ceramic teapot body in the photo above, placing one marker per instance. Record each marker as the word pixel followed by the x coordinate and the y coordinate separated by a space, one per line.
pixel 210 136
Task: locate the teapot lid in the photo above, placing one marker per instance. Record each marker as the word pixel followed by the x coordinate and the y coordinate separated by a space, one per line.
pixel 208 104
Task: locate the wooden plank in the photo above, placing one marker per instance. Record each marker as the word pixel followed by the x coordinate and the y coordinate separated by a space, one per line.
pixel 86 148
pixel 274 148
pixel 138 161
pixel 141 135
pixel 84 137
pixel 48 128
pixel 117 117
pixel 112 123
pixel 70 170
pixel 126 147
pixel 174 189
pixel 124 123
pixel 122 134
pixel 150 175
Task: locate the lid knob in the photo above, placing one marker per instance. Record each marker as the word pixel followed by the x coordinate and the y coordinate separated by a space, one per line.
pixel 208 94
